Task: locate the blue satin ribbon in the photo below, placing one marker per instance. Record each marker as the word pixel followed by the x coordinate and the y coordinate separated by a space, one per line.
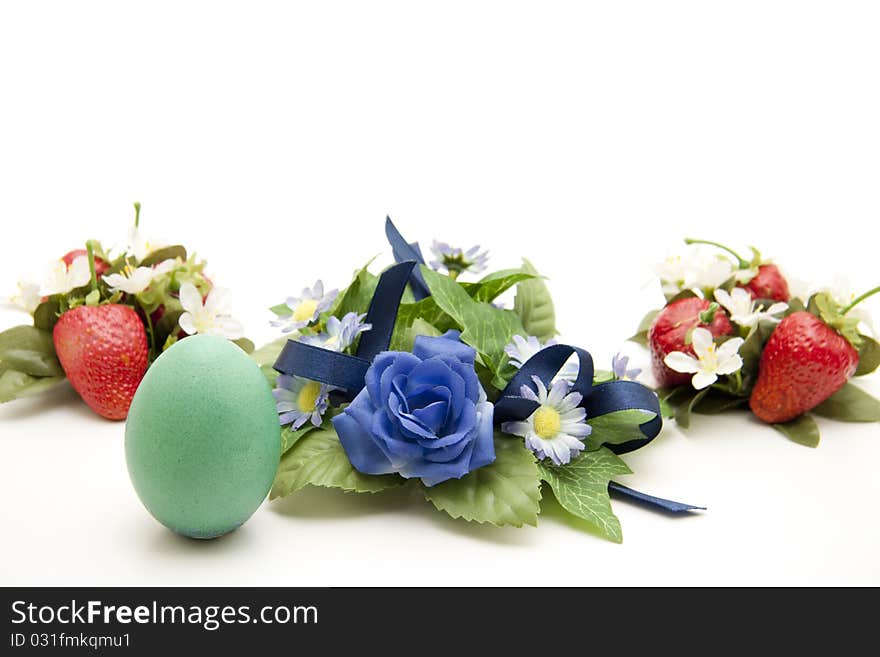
pixel 598 399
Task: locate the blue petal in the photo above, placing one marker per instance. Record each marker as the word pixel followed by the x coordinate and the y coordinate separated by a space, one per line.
pixel 359 446
pixel 433 415
pixel 484 445
pixel 448 344
pixel 381 363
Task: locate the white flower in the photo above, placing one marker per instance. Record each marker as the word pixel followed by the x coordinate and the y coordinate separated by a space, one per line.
pixel 211 317
pixel 697 270
pixel 340 333
pixel 711 359
pixel 744 311
pixel 28 296
pixel 138 245
pixel 521 349
pixel 710 273
pixel 305 308
pixel 456 261
pixel 673 272
pixel 743 276
pixel 299 400
pixel 63 278
pixel 555 428
pixel 842 293
pixel 134 280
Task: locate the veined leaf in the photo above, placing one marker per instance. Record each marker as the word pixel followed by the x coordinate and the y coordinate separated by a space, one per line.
pixel 581 488
pixel 16 385
pixel 163 254
pixel 46 314
pixel 534 305
pixel 850 404
pixel 495 284
pixel 268 353
pixel 30 350
pixel 358 295
pixel 505 492
pixel 318 459
pixel 617 428
pixel 869 355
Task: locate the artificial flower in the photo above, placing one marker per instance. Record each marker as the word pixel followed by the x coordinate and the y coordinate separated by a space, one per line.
pixel 521 349
pixel 619 363
pixel 134 280
pixel 62 278
pixel 299 400
pixel 695 271
pixel 711 361
pixel 210 316
pixel 556 427
pixel 339 333
pixel 456 261
pixel 138 246
pixel 422 414
pixel 744 311
pixel 305 308
pixel 28 296
pixel 842 293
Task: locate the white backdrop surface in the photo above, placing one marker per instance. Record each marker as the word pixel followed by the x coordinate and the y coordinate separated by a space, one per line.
pixel 590 137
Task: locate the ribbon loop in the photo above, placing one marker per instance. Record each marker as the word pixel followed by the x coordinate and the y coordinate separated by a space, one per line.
pixel 404 251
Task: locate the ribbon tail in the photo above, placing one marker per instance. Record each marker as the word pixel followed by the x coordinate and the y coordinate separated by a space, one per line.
pixel 619 490
pixel 403 252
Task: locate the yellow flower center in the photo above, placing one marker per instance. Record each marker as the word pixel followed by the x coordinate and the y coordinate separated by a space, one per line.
pixel 305 310
pixel 307 397
pixel 547 422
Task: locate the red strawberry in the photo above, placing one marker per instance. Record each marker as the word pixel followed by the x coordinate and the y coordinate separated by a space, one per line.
pixel 804 362
pixel 101 266
pixel 769 284
pixel 669 331
pixel 103 350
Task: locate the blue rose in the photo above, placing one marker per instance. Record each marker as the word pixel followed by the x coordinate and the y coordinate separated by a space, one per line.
pixel 421 414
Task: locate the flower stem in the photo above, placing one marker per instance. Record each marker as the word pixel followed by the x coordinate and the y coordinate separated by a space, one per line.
pixel 150 330
pixel 743 263
pixel 90 249
pixel 137 213
pixel 859 299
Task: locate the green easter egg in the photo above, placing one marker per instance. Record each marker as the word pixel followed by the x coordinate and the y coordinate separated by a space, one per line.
pixel 202 439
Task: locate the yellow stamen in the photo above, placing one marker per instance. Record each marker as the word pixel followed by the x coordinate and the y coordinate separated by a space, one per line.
pixel 547 422
pixel 308 396
pixel 305 310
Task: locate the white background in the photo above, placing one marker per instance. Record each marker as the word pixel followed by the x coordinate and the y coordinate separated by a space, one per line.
pixel 274 137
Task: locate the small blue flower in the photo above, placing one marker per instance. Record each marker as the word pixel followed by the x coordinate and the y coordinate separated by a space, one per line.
pixel 298 400
pixel 340 334
pixel 456 261
pixel 618 367
pixel 421 414
pixel 305 308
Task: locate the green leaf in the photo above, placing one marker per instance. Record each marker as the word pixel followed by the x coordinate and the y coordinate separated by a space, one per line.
pixel 268 353
pixel 46 314
pixel 246 345
pixel 869 355
pixel 751 351
pixel 405 339
pixel 718 402
pixel 29 350
pixel 16 385
pixel 163 254
pixel 506 492
pixel 490 287
pixel 281 310
pixel 641 334
pixel 683 411
pixel 534 305
pixel 802 430
pixel 318 459
pixel 617 428
pixel 484 327
pixel 358 295
pixel 581 488
pixel 289 437
pixel 850 404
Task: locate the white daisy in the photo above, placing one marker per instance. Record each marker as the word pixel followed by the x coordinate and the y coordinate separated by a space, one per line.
pixel 298 400
pixel 457 261
pixel 28 296
pixel 340 333
pixel 555 428
pixel 744 311
pixel 305 308
pixel 63 278
pixel 210 317
pixel 521 349
pixel 711 359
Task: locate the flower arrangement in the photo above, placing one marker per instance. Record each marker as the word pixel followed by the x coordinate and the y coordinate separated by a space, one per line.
pixel 733 335
pixel 417 377
pixel 100 317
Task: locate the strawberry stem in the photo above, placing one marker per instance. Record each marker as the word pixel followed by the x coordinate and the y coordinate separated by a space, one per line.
pixel 743 263
pixel 90 249
pixel 859 299
pixel 137 213
pixel 708 315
